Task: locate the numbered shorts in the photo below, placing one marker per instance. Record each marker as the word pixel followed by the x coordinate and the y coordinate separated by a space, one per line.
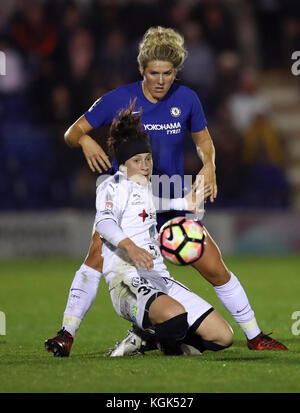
pixel 133 296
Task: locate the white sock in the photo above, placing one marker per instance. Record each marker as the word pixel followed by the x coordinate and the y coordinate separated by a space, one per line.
pixel 82 294
pixel 234 299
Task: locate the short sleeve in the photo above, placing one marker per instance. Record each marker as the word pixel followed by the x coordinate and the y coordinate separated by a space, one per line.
pixel 102 111
pixel 197 118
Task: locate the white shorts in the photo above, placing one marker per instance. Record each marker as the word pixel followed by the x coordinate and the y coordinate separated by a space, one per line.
pixel 133 295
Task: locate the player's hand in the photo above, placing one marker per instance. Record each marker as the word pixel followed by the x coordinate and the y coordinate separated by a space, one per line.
pixel 197 195
pixel 140 257
pixel 208 171
pixel 94 154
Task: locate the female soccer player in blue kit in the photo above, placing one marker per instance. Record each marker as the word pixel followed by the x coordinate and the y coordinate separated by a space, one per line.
pixel 168 111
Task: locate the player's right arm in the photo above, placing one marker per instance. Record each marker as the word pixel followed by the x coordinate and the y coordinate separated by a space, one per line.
pixel 110 204
pixel 77 136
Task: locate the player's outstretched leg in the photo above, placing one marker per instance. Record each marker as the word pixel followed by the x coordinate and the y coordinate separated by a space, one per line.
pixel 214 334
pixel 232 295
pixel 81 296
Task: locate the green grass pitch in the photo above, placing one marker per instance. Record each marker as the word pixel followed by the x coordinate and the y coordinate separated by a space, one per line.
pixel 33 295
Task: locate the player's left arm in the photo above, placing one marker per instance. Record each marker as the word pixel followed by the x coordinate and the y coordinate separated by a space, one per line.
pixel 206 152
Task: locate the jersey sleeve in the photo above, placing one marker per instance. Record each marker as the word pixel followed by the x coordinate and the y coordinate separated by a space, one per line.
pixel 110 201
pixel 109 230
pixel 197 118
pixel 102 111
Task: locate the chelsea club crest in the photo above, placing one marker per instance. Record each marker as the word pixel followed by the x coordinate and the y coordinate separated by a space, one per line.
pixel 175 111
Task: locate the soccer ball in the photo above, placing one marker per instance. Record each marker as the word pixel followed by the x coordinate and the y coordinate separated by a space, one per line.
pixel 181 241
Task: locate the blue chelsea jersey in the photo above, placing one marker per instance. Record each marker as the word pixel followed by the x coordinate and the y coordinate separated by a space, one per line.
pixel 166 121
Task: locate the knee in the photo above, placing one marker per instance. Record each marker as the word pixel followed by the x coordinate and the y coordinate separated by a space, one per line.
pixel 221 339
pixel 226 339
pixel 170 333
pixel 169 320
pixel 214 329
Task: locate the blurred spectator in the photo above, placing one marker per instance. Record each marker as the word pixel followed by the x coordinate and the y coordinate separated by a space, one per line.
pixel 291 39
pixel 41 89
pixel 61 104
pixel 262 152
pixel 83 188
pixel 103 17
pixel 199 70
pixel 218 31
pixel 247 103
pixel 268 16
pixel 262 141
pixel 217 23
pixel 80 71
pixel 229 162
pixel 178 15
pixel 227 78
pixel 32 32
pixel 68 14
pixel 14 103
pixel 7 10
pixel 15 80
pixel 113 59
pixel 70 18
pixel 80 53
pixel 264 160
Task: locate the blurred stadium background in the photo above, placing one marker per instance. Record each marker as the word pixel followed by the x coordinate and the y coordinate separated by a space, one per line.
pixel 62 55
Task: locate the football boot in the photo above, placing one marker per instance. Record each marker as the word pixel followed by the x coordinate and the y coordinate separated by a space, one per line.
pixel 265 342
pixel 135 343
pixel 61 344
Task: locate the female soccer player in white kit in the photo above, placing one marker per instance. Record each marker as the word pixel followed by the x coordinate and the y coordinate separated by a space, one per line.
pixel 141 288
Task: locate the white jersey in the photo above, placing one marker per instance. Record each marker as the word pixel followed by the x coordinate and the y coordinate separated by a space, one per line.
pixel 132 291
pixel 131 206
